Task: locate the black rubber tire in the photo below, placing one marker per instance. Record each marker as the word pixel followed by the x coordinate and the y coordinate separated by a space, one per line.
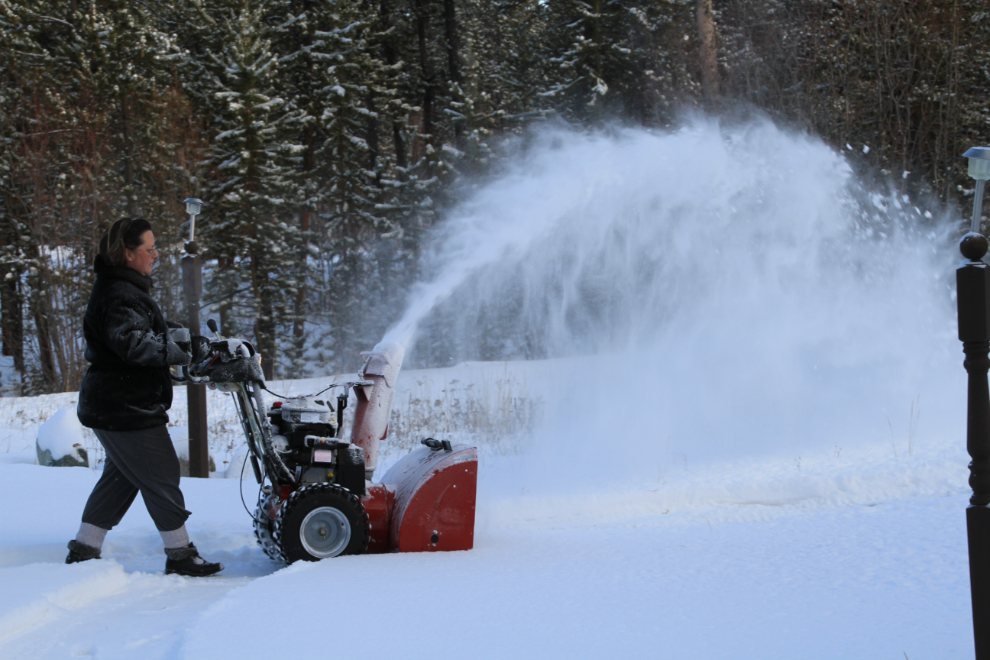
pixel 264 530
pixel 331 500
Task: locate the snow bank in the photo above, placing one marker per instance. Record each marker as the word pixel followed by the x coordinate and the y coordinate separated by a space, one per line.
pixel 736 490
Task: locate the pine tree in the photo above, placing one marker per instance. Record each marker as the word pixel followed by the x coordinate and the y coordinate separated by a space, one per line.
pixel 496 93
pixel 357 181
pixel 251 233
pixel 606 54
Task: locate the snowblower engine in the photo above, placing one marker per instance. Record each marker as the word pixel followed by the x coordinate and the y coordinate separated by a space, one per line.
pixel 304 435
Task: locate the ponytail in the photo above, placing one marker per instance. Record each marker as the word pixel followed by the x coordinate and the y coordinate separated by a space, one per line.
pixel 125 234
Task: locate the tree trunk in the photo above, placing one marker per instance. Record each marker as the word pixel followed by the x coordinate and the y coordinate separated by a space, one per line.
pixel 126 146
pixel 450 27
pixel 707 54
pixel 225 304
pixel 13 322
pixel 391 57
pixel 299 324
pixel 425 71
pixel 45 354
pixel 374 148
pixel 40 286
pixel 264 325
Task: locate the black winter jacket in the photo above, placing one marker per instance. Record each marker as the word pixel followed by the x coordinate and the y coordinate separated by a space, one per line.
pixel 127 386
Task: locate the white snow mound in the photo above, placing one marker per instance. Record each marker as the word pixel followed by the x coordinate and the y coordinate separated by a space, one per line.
pixel 62 434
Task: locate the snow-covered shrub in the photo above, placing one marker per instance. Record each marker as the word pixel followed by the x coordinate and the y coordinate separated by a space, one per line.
pixel 60 441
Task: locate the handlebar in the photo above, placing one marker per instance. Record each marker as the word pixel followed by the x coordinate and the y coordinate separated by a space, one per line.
pixel 180 374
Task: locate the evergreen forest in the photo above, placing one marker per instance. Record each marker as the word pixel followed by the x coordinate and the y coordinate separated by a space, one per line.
pixel 327 137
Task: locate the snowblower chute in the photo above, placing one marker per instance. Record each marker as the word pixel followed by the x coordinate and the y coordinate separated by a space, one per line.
pixel 316 498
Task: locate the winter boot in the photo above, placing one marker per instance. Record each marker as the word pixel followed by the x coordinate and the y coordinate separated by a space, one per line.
pixel 81 552
pixel 186 561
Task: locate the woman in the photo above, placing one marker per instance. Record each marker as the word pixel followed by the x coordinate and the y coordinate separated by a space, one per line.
pixel 124 398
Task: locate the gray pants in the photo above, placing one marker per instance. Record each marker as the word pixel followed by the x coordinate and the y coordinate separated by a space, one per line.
pixel 137 461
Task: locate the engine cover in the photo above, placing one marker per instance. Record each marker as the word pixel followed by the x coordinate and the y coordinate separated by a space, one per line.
pixel 297 418
pixel 305 437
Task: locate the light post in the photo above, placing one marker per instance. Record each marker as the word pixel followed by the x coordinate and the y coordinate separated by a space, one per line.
pixel 973 300
pixel 192 287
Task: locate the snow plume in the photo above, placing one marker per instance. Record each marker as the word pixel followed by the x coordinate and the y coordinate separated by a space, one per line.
pixel 722 292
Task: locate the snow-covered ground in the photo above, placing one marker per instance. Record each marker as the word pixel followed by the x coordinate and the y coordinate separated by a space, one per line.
pixel 758 453
pixel 852 553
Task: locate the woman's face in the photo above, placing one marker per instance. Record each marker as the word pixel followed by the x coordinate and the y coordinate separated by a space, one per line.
pixel 142 258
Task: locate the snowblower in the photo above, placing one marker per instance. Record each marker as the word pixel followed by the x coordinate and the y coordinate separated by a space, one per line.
pixel 316 498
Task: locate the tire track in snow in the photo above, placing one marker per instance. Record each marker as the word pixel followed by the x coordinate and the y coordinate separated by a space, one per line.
pixel 111 609
pixel 57 591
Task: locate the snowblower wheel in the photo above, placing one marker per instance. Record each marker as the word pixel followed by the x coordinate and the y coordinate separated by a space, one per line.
pixel 320 521
pixel 264 528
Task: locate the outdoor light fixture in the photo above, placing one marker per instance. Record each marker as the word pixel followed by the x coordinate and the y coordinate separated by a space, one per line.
pixel 979 169
pixel 192 287
pixel 193 207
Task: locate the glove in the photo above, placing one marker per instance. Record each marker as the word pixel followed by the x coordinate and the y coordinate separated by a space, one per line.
pixel 200 348
pixel 182 337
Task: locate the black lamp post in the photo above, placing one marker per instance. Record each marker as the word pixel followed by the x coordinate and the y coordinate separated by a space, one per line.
pixel 192 287
pixel 973 299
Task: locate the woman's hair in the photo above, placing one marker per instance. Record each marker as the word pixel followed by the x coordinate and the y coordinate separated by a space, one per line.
pixel 125 234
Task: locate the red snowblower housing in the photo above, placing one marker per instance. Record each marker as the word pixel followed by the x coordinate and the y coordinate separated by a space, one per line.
pixel 316 498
